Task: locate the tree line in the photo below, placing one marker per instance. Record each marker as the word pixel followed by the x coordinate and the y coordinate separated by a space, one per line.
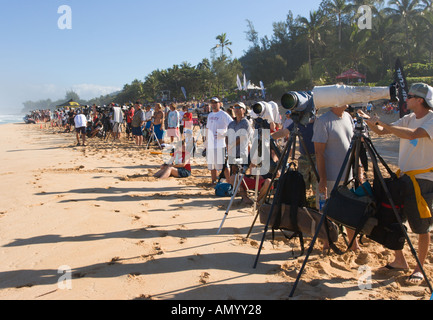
pixel 304 52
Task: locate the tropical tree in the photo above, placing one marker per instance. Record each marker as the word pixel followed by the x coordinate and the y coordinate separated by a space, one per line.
pixel 406 12
pixel 223 43
pixel 311 33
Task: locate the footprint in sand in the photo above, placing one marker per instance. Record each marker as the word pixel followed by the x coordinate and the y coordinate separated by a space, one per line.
pixel 204 278
pixel 113 261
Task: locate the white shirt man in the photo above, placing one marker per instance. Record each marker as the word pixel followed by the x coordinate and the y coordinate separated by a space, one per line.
pixel 217 124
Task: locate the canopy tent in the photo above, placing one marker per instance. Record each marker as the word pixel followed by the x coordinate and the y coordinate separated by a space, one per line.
pixel 70 104
pixel 351 74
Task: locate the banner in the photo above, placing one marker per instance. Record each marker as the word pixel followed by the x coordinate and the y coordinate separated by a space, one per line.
pixel 184 92
pixel 400 79
pixel 238 82
pixel 262 86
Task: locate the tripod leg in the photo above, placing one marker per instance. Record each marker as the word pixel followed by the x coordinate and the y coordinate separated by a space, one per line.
pixel 283 160
pixel 238 185
pixel 310 250
pixel 346 164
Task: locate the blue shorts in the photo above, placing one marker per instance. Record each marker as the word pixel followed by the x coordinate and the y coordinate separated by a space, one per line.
pixel 137 131
pixel 183 173
pixel 158 131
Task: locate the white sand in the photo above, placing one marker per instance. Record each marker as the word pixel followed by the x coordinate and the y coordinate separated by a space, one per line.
pixel 127 236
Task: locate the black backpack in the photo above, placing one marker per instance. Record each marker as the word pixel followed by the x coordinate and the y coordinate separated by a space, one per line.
pixel 292 193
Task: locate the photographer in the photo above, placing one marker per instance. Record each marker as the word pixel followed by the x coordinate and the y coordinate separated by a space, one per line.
pixel 416 167
pixel 332 137
pixel 304 165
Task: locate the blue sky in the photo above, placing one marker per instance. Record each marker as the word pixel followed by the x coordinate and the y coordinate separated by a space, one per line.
pixel 113 42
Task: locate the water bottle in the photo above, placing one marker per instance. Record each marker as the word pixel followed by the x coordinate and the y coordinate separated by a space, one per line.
pixel 322 201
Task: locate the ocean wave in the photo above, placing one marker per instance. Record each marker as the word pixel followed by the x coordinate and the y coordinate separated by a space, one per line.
pixel 11 118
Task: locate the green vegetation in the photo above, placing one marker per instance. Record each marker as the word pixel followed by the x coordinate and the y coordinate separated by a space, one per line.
pixel 304 52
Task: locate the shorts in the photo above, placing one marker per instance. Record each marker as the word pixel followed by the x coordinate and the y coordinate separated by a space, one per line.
pixel 117 127
pixel 148 124
pixel 137 131
pixel 410 210
pixel 157 128
pixel 304 167
pixel 81 130
pixel 173 132
pixel 183 173
pixel 215 158
pixel 250 182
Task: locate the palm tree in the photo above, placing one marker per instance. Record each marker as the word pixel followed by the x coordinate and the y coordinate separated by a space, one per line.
pixel 338 8
pixel 407 11
pixel 224 43
pixel 311 33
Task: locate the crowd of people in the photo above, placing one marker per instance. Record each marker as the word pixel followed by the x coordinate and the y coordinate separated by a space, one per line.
pixel 229 135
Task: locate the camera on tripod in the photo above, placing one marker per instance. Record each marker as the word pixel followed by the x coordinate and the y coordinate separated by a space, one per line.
pixel 301 105
pixel 304 104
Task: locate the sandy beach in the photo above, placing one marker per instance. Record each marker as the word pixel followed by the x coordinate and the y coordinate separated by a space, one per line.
pixel 97 212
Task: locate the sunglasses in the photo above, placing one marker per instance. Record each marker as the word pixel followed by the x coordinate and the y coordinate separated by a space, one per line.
pixel 411 96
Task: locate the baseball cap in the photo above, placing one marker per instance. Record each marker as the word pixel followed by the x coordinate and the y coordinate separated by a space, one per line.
pixel 240 104
pixel 424 91
pixel 215 99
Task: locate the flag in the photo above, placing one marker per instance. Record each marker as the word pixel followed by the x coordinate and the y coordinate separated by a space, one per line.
pixel 184 92
pixel 263 89
pixel 245 83
pixel 238 82
pixel 400 79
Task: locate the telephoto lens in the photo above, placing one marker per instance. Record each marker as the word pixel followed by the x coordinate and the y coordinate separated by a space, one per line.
pixel 289 101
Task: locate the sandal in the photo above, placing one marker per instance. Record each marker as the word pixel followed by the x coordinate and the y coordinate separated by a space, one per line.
pixel 415 279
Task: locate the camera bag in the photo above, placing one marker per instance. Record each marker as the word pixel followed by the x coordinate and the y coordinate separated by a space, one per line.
pixel 389 232
pixel 224 190
pixel 355 212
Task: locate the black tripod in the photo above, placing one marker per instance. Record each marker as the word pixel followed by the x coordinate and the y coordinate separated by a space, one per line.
pixel 290 149
pixel 359 140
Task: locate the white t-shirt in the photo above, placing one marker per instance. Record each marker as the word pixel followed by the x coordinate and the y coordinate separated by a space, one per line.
pixel 117 115
pixel 275 112
pixel 217 123
pixel 80 121
pixel 148 115
pixel 417 154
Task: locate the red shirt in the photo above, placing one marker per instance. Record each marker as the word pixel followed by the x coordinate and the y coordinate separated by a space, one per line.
pixel 130 115
pixel 187 124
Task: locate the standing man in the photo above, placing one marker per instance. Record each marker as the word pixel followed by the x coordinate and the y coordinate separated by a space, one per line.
pixel 137 124
pixel 80 127
pixel 416 167
pixel 217 123
pixel 332 137
pixel 129 116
